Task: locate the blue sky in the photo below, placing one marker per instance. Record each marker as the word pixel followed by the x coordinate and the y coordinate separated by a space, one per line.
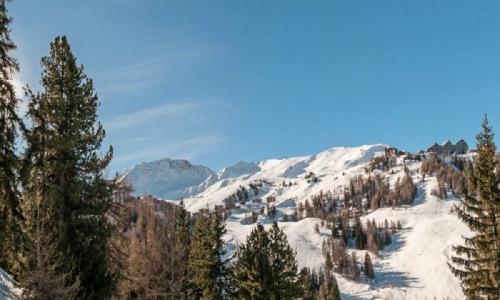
pixel 221 81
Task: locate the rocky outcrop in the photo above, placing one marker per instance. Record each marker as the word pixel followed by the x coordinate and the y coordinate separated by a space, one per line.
pixel 448 148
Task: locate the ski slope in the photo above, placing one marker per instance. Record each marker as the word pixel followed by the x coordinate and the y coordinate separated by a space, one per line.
pixel 414 266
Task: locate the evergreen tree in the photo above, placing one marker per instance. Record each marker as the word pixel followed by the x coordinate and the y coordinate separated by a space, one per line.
pixel 64 169
pixel 329 289
pixel 10 212
pixel 369 267
pixel 477 261
pixel 252 272
pixel 283 265
pixel 308 284
pixel 208 272
pixel 354 266
pixel 266 266
pixel 183 241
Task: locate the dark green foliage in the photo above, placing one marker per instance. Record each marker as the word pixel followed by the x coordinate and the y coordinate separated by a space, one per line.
pixel 368 269
pixel 266 267
pixel 209 275
pixel 183 243
pixel 477 261
pixel 10 212
pixel 329 289
pixel 309 284
pixel 63 169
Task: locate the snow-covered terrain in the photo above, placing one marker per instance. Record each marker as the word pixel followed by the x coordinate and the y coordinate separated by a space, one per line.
pixel 414 266
pixel 169 179
pixel 8 291
pixel 332 168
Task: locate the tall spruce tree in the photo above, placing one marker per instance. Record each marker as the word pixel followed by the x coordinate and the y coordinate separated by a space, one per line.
pixel 252 273
pixel 207 270
pixel 183 241
pixel 10 212
pixel 266 267
pixel 368 269
pixel 477 261
pixel 64 168
pixel 329 289
pixel 283 265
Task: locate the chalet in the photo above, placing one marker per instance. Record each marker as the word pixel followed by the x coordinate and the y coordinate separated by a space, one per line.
pixel 271 199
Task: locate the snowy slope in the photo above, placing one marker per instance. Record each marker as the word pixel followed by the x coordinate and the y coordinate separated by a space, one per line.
pixel 239 169
pixel 412 267
pixel 332 167
pixel 8 291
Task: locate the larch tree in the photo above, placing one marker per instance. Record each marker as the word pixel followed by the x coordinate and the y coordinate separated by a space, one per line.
pixel 65 169
pixel 477 262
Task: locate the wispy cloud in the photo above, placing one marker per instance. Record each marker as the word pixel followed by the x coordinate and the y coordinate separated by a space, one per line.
pixel 153 66
pixel 177 109
pixel 186 149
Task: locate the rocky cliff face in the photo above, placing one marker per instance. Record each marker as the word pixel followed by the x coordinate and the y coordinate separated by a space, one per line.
pixel 448 148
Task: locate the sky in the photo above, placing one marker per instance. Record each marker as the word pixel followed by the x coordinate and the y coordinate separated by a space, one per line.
pixel 217 82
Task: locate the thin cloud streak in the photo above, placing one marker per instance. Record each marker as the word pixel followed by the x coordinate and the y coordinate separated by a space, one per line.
pixel 137 118
pixel 183 149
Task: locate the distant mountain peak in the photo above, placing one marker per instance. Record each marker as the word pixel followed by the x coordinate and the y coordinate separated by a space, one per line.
pixel 169 178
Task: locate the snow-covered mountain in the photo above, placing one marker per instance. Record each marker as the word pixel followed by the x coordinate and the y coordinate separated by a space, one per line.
pixel 412 267
pixel 332 167
pixel 169 179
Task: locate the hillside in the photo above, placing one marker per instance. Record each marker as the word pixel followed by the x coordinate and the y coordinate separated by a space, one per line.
pixel 413 266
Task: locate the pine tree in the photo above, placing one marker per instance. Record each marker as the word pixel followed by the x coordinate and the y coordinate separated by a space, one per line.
pixel 252 273
pixel 354 267
pixel 369 267
pixel 477 261
pixel 283 265
pixel 10 212
pixel 309 284
pixel 266 266
pixel 64 168
pixel 329 289
pixel 208 271
pixel 183 241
